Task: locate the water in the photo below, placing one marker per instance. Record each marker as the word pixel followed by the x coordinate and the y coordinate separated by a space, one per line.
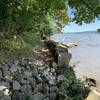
pixel 86 56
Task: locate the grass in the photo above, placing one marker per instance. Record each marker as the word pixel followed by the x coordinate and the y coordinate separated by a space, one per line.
pixel 17 45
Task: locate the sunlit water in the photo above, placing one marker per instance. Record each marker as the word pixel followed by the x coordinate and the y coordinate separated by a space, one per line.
pixel 86 56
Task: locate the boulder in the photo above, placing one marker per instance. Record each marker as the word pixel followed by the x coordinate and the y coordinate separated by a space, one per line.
pixel 38 96
pixel 26 89
pixel 19 96
pixel 53 96
pixel 63 59
pixel 16 85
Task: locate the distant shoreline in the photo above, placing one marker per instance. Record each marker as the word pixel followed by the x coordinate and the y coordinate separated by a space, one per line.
pixel 85 32
pixel 93 32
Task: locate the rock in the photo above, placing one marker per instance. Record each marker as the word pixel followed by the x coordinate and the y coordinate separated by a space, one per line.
pixel 4 91
pixel 27 74
pixel 24 81
pixel 61 78
pixel 46 72
pixel 16 62
pixel 51 79
pixel 39 88
pixel 39 63
pixel 38 96
pixel 9 78
pixel 23 62
pixel 19 96
pixel 54 64
pixel 46 98
pixel 5 84
pixel 6 73
pixel 91 82
pixel 52 71
pixel 16 85
pixel 33 83
pixel 6 98
pixel 0 73
pixel 53 89
pixel 1 94
pixel 63 59
pixel 2 87
pixel 26 89
pixel 46 88
pixel 53 96
pixel 13 68
pixel 41 68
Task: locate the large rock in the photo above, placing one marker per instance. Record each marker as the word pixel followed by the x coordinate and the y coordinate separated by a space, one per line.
pixel 53 96
pixel 26 89
pixel 19 96
pixel 16 85
pixel 0 73
pixel 63 56
pixel 1 93
pixel 39 88
pixel 6 98
pixel 63 59
pixel 53 89
pixel 38 96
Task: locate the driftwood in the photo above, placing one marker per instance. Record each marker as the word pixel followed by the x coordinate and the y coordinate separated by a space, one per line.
pixel 59 52
pixel 68 45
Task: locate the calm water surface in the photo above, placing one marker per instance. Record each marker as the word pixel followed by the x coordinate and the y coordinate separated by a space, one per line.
pixel 86 56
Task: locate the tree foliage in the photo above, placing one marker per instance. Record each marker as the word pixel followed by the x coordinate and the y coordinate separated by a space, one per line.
pixel 25 15
pixel 85 10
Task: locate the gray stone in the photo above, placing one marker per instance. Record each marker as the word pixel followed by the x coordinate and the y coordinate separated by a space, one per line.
pixel 54 64
pixel 16 62
pixel 26 89
pixel 39 63
pixel 46 88
pixel 45 72
pixel 24 81
pixel 13 68
pixel 0 73
pixel 63 59
pixel 61 78
pixel 51 79
pixel 53 96
pixel 5 68
pixel 9 78
pixel 6 73
pixel 53 89
pixel 38 88
pixel 18 96
pixel 33 83
pixel 41 68
pixel 6 97
pixel 16 85
pixel 27 74
pixel 38 96
pixel 1 93
pixel 47 98
pixel 39 78
pixel 5 83
pixel 1 66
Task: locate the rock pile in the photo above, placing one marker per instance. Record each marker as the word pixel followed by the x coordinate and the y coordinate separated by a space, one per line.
pixel 31 78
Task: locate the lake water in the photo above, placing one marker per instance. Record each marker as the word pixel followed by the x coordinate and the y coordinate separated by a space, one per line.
pixel 86 56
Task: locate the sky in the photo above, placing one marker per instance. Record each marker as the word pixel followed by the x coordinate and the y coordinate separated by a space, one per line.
pixel 72 27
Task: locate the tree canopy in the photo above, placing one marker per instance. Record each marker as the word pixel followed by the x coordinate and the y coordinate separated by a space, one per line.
pixel 39 15
pixel 85 10
pixel 31 14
